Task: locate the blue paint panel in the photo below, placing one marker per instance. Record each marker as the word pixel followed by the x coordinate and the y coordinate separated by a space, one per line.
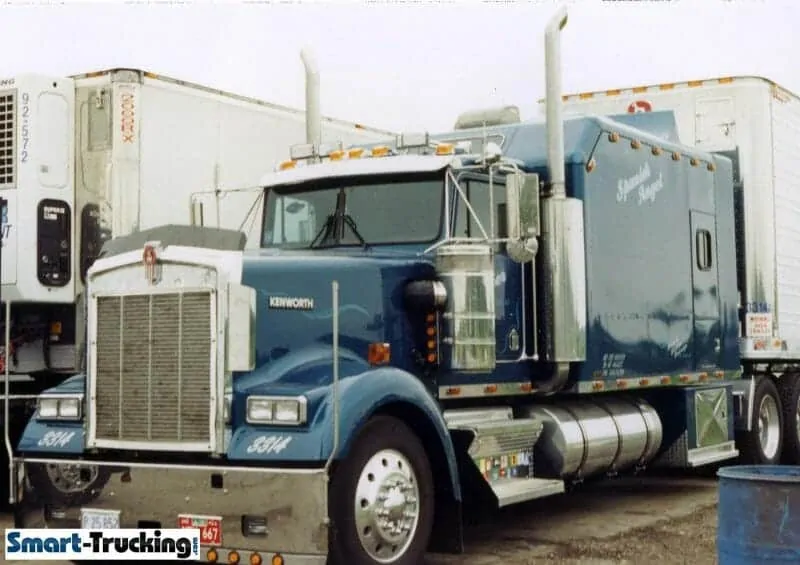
pixel 371 303
pixel 56 438
pixel 639 280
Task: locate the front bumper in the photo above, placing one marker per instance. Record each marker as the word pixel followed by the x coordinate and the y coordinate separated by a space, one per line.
pixel 293 503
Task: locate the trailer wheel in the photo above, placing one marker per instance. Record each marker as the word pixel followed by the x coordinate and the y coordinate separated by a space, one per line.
pixel 381 498
pixel 762 445
pixel 67 484
pixel 789 389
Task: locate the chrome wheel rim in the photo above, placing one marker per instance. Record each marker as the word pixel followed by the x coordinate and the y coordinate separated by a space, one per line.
pixel 69 478
pixel 387 506
pixel 769 431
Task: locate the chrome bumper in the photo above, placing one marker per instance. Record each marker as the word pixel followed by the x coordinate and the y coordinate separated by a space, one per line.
pixel 292 502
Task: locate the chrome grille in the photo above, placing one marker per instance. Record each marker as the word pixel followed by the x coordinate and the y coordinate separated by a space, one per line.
pixel 153 368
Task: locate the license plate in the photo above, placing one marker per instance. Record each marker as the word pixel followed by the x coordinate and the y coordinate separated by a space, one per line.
pixel 210 527
pixel 92 519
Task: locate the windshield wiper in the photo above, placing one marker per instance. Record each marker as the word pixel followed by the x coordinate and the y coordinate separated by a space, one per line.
pixel 326 232
pixel 348 219
pixel 333 228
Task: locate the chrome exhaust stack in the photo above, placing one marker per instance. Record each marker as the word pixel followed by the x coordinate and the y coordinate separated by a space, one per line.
pixel 563 249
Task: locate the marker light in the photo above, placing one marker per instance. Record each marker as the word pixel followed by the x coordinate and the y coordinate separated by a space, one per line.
pixel 59 408
pixel 381 151
pixel 337 155
pixel 211 555
pixel 287 165
pixel 255 559
pixel 445 149
pixel 431 338
pixel 279 410
pixel 233 557
pixel 379 353
pixel 355 153
pixel 277 559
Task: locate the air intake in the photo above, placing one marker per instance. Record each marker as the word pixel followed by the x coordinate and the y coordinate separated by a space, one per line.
pixel 488 117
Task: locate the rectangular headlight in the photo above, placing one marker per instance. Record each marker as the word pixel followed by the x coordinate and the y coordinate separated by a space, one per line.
pixel 60 408
pixel 276 410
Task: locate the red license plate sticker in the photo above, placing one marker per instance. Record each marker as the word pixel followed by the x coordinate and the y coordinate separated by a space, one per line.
pixel 210 527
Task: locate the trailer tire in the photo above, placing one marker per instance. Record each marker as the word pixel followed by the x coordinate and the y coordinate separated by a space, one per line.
pixel 45 483
pixel 789 389
pixel 762 445
pixel 387 454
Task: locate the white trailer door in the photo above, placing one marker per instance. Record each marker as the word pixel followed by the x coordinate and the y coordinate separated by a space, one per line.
pixel 715 124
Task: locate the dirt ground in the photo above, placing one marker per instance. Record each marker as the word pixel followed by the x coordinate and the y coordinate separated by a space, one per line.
pixel 631 521
pixel 687 540
pixel 668 521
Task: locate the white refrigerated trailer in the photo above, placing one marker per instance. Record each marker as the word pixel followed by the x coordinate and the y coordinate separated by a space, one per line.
pixel 103 154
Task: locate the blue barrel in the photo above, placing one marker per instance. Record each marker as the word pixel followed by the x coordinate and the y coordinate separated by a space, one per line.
pixel 758 517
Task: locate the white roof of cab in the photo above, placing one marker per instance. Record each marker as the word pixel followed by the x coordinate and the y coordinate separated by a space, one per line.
pixel 359 167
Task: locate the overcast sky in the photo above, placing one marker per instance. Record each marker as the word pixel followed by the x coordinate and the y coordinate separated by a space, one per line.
pixel 403 67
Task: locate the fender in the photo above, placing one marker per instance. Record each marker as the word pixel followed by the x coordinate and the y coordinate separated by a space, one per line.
pixel 363 392
pixel 366 394
pixel 308 372
pixel 57 438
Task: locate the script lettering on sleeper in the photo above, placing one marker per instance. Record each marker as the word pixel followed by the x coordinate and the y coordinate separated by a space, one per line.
pixel 640 183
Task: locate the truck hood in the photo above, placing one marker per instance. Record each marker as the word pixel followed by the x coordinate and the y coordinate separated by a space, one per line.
pixel 294 307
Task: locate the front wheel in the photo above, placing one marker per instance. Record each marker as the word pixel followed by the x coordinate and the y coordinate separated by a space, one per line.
pixel 67 485
pixel 381 498
pixel 762 445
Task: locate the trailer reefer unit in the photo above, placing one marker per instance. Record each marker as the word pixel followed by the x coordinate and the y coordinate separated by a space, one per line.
pixel 480 316
pixel 104 154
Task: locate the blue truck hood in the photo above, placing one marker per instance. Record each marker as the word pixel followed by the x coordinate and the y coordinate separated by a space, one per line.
pixel 371 309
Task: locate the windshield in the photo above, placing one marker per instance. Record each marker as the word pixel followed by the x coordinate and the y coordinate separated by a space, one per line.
pixel 354 211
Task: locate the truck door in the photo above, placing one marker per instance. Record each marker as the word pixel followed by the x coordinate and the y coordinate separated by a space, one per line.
pixel 705 291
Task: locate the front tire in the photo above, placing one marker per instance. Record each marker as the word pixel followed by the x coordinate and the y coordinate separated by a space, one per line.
pixel 381 498
pixel 763 444
pixel 67 485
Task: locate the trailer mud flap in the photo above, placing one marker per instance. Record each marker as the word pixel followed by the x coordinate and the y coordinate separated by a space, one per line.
pixel 249 510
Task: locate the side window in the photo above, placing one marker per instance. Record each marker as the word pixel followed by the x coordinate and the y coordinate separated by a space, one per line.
pixel 477 191
pixel 703 249
pixel 294 222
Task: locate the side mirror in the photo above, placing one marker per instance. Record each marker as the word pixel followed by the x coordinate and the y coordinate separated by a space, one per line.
pixel 522 216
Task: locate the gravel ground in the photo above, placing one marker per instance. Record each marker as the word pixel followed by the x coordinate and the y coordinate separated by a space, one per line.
pixel 689 540
pixel 631 521
pixel 626 522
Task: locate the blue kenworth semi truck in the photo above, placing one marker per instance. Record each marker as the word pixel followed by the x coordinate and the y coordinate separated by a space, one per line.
pixel 482 316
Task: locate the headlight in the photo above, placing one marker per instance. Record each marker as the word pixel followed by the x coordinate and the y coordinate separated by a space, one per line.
pixel 276 410
pixel 59 408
